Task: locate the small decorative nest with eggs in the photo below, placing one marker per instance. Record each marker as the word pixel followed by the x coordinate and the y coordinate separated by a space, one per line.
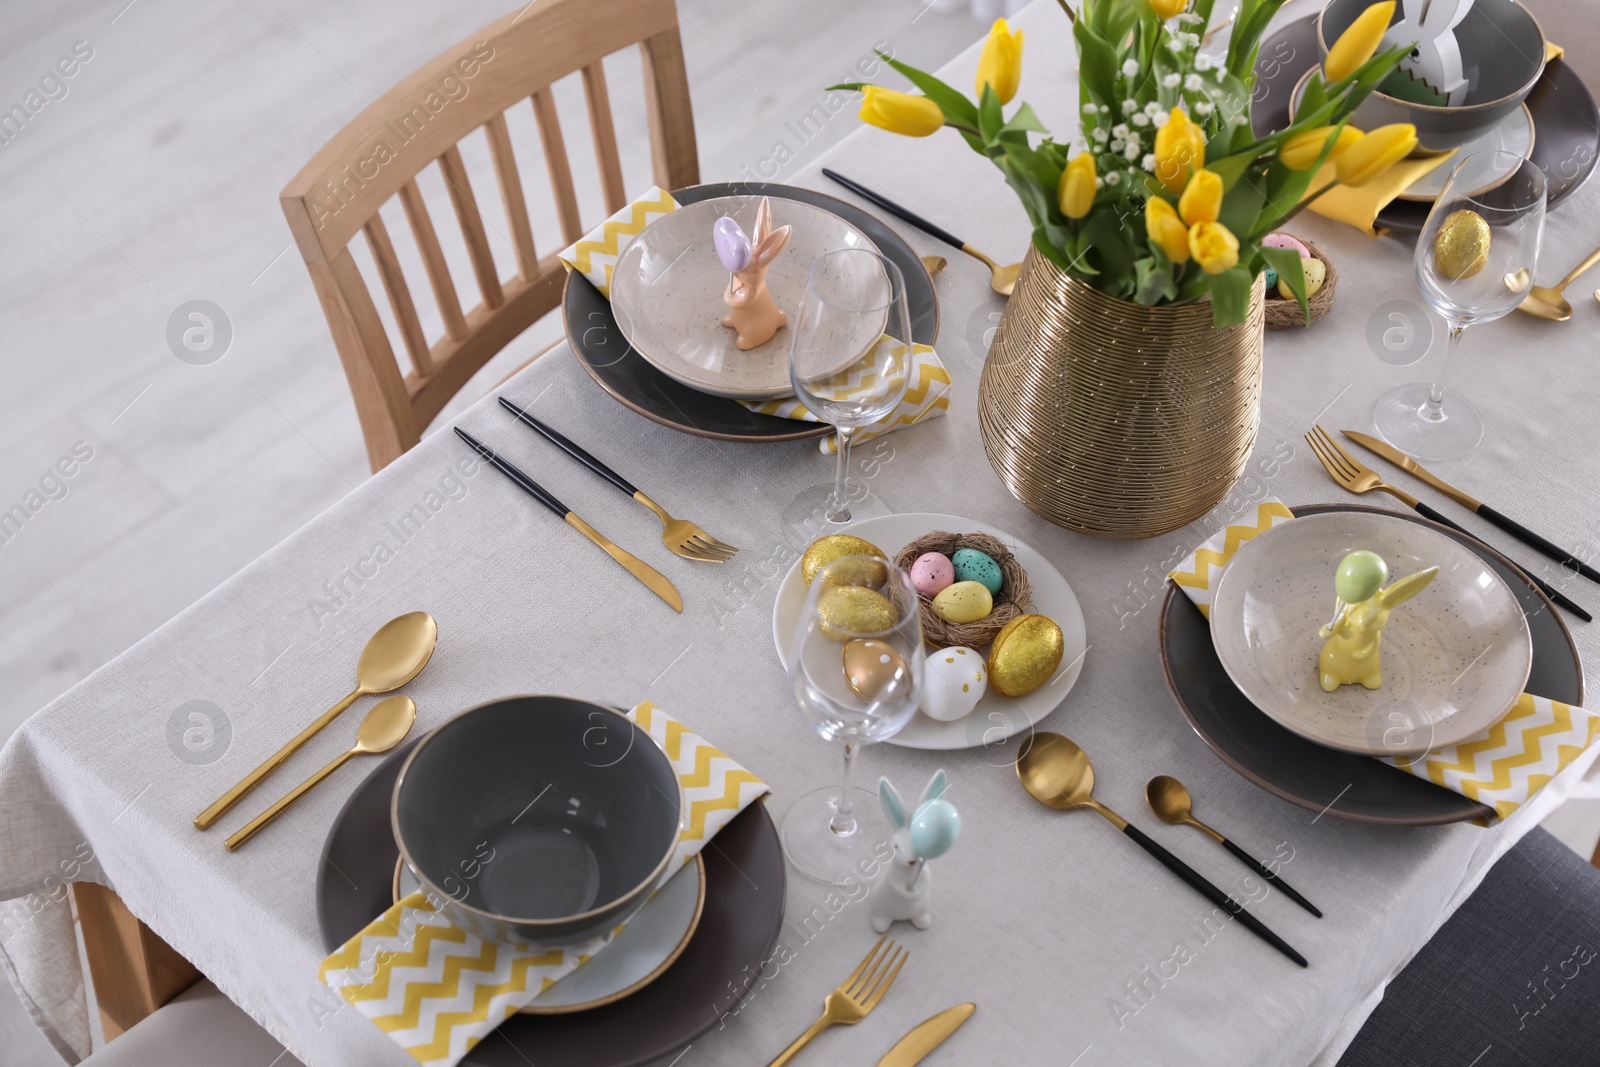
pixel 1284 313
pixel 1014 598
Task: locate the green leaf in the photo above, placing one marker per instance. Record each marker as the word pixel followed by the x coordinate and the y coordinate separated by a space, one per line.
pixel 1098 62
pixel 1314 97
pixel 990 116
pixel 1230 297
pixel 1050 251
pixel 1241 205
pixel 956 107
pixel 1104 232
pixel 1153 282
pixel 1024 121
pixel 854 87
pixel 1287 262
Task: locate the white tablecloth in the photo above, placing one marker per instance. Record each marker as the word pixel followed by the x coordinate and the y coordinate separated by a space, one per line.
pixel 1055 925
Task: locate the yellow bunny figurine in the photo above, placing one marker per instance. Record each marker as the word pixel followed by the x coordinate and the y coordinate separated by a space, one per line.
pixel 1351 654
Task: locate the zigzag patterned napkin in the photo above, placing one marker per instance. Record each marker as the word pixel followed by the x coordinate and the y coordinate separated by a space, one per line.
pixel 596 255
pixel 1502 767
pixel 437 990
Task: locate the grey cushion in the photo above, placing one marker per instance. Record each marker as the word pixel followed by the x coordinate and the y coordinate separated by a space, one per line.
pixel 1512 979
pixel 199 1028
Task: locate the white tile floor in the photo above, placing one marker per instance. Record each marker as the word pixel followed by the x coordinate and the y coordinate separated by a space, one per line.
pixel 151 178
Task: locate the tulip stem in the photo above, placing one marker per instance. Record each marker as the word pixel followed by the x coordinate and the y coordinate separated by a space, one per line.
pixel 1292 212
pixel 1071 16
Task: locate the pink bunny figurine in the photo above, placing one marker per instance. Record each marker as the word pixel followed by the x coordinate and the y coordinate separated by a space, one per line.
pixel 752 312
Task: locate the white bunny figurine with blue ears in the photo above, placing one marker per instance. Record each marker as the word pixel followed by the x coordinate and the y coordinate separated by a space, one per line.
pixel 1435 63
pixel 904 888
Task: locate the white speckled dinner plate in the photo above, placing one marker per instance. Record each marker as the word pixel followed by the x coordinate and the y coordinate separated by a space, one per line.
pixel 1455 657
pixel 666 292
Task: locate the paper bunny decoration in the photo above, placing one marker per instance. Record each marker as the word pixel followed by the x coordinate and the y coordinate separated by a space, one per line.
pixel 1432 73
pixel 752 312
pixel 904 888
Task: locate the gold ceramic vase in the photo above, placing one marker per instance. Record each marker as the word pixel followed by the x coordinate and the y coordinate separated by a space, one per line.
pixel 1114 419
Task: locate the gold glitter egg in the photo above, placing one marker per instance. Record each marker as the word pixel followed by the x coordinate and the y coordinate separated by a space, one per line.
pixel 873 668
pixel 963 602
pixel 1461 247
pixel 824 550
pixel 846 611
pixel 1025 654
pixel 873 573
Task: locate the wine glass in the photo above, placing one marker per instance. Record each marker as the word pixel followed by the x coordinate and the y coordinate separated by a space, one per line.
pixel 1475 260
pixel 849 362
pixel 856 666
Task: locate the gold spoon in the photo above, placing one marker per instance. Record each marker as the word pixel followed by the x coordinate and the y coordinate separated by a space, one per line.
pixel 1172 804
pixel 1547 302
pixel 395 655
pixel 1001 279
pixel 1058 774
pixel 934 264
pixel 387 722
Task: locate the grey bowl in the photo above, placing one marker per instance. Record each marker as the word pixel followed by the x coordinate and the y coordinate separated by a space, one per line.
pixel 1502 55
pixel 541 820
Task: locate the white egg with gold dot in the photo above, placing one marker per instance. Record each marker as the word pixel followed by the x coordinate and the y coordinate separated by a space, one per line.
pixel 954 680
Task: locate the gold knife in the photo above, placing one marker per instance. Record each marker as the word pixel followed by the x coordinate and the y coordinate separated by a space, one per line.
pixel 927 1036
pixel 1484 511
pixel 653 579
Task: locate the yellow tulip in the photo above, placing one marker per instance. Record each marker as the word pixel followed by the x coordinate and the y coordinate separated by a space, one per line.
pixel 1356 44
pixel 1164 227
pixel 913 116
pixel 1213 247
pixel 1376 152
pixel 1202 198
pixel 1000 64
pixel 1347 137
pixel 1180 147
pixel 1075 194
pixel 1165 9
pixel 1302 151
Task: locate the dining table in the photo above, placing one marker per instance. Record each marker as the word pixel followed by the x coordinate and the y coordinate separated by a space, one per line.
pixel 1060 931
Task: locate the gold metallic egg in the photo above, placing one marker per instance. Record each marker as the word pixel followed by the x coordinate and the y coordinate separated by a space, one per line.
pixel 874 668
pixel 1025 654
pixel 872 573
pixel 847 611
pixel 963 602
pixel 824 550
pixel 1461 247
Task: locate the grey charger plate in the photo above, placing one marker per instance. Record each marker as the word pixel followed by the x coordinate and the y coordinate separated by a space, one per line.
pixel 1566 123
pixel 602 350
pixel 1323 779
pixel 745 892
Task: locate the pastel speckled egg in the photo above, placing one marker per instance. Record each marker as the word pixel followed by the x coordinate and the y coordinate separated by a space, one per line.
pixel 974 566
pixel 1025 654
pixel 955 679
pixel 1272 278
pixel 1283 240
pixel 963 602
pixel 932 572
pixel 1316 276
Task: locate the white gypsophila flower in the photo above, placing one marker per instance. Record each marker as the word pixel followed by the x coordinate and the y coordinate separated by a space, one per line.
pixel 1151 108
pixel 1100 135
pixel 1204 107
pixel 1204 63
pixel 1130 106
pixel 1090 108
pixel 1172 81
pixel 1118 144
pixel 1132 152
pixel 1120 130
pixel 1190 18
pixel 1114 178
pixel 1192 39
pixel 1149 162
pixel 1175 42
pixel 1160 119
pixel 1099 183
pixel 1141 119
pixel 1130 68
pixel 1134 139
pixel 1193 83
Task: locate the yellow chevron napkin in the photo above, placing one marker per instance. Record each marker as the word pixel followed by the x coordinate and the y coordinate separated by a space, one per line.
pixel 437 990
pixel 596 255
pixel 1502 767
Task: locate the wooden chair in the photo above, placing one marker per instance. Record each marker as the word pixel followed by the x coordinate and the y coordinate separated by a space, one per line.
pixel 418 124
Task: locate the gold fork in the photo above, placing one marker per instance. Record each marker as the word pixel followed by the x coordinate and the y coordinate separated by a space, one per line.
pixel 1356 477
pixel 856 995
pixel 680 536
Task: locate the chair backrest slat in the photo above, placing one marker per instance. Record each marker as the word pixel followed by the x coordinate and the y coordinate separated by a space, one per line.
pixel 605 137
pixel 516 205
pixel 422 120
pixel 555 157
pixel 459 185
pixel 394 283
pixel 439 280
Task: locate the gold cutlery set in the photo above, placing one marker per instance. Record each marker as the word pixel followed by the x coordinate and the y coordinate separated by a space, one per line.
pixel 859 993
pixel 1546 301
pixel 394 656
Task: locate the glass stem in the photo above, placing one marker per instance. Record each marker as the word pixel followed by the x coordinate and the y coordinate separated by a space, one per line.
pixel 839 503
pixel 1433 410
pixel 844 820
